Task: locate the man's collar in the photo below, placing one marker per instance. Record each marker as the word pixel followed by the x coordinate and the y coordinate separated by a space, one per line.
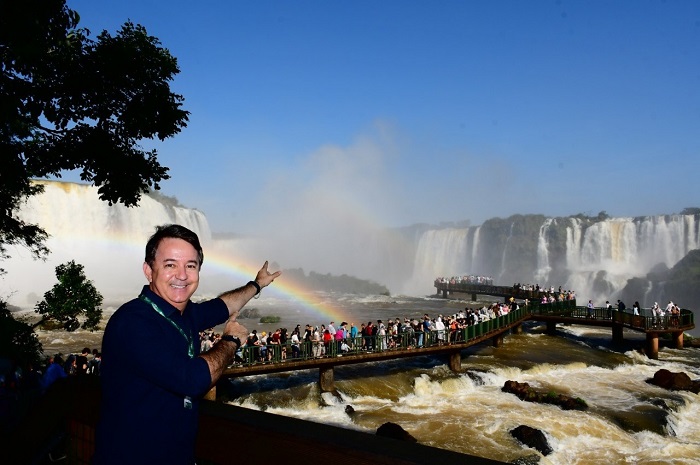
pixel 167 309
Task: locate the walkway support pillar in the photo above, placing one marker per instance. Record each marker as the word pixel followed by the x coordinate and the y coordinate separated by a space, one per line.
pixel 456 361
pixel 551 327
pixel 617 332
pixel 497 340
pixel 444 293
pixel 326 379
pixel 652 348
pixel 517 329
pixel 473 297
pixel 211 394
pixel 677 339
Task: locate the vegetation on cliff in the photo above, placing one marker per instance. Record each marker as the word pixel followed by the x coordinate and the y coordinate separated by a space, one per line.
pixel 330 283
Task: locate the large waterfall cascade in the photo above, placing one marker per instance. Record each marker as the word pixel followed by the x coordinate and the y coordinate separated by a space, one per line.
pixel 620 248
pixel 594 258
pixel 106 240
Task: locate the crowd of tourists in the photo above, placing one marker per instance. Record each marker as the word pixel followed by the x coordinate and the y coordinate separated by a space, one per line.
pixel 32 380
pixel 333 340
pixel 524 291
pixel 558 294
pixel 657 313
pixel 466 279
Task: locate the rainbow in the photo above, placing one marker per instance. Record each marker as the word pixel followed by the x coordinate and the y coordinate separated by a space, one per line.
pixel 63 205
pixel 304 297
pixel 220 262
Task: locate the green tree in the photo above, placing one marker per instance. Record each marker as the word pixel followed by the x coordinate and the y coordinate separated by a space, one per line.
pixel 68 102
pixel 73 296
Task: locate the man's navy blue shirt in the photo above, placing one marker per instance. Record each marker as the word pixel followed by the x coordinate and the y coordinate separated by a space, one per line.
pixel 146 375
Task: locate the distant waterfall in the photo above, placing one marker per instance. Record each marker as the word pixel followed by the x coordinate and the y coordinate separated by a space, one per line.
pixel 631 246
pixel 543 266
pixel 593 258
pixel 67 210
pixel 437 251
pixel 106 240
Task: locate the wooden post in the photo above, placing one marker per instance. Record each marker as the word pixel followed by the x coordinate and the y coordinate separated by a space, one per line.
pixel 497 340
pixel 678 339
pixel 517 329
pixel 652 348
pixel 456 361
pixel 473 297
pixel 617 332
pixel 551 327
pixel 326 379
pixel 211 395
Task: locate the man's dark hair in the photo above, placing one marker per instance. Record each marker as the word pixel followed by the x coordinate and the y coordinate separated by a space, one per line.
pixel 174 231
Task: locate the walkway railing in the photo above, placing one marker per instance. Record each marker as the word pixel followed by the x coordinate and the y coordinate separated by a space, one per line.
pixel 406 340
pixel 639 322
pixel 417 340
pixel 485 289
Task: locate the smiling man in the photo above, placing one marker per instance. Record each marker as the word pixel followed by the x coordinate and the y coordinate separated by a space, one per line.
pixel 152 373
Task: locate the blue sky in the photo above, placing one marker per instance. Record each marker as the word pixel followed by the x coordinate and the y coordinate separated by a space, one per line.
pixel 399 112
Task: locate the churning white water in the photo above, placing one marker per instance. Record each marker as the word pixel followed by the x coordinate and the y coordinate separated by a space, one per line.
pixel 628 420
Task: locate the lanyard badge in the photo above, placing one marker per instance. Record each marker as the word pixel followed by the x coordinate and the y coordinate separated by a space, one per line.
pixel 190 344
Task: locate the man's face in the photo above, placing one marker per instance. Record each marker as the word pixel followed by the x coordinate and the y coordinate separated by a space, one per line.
pixel 175 272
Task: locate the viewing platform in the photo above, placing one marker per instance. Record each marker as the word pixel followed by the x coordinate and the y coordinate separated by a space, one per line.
pixel 486 289
pixel 451 342
pixel 652 326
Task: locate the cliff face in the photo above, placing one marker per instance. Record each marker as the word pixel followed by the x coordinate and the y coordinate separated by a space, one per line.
pixel 594 256
pixel 680 284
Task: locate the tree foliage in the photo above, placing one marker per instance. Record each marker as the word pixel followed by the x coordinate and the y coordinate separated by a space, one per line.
pixel 72 297
pixel 17 339
pixel 68 102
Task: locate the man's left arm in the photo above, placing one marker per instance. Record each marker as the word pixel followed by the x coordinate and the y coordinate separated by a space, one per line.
pixel 237 298
pixel 219 357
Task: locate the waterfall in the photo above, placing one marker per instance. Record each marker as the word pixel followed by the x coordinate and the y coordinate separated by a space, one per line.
pixel 543 267
pixel 475 245
pixel 631 246
pixel 440 252
pixel 594 258
pixel 108 241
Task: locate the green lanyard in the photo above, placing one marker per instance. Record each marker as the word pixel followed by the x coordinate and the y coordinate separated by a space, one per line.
pixel 190 344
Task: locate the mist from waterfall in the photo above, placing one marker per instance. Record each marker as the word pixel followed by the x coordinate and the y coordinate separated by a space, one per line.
pixel 594 258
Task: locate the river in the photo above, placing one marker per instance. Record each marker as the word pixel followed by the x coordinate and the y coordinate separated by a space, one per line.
pixel 628 420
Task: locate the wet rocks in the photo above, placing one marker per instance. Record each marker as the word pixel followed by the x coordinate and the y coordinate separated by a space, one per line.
pixel 394 431
pixel 674 381
pixel 532 437
pixel 533 459
pixel 524 392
